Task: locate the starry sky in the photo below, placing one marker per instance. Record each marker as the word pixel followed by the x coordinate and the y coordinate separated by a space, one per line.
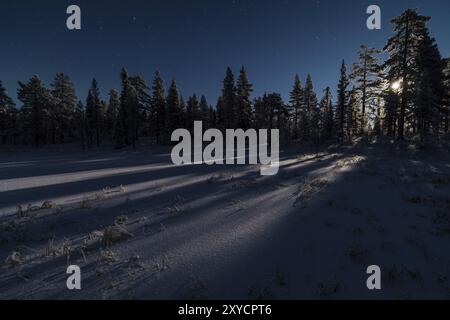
pixel 195 40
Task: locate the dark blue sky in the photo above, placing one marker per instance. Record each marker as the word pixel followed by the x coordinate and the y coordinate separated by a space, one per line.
pixel 196 40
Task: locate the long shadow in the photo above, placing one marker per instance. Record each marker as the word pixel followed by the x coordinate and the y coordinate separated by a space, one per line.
pixel 78 223
pixel 191 192
pixel 78 163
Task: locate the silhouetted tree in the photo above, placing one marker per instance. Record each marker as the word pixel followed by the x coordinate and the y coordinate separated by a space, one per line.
pixel 229 101
pixel 65 101
pixel 243 103
pixel 365 73
pixel 297 107
pixel 342 99
pixel 402 48
pixel 8 115
pixel 36 100
pixel 94 114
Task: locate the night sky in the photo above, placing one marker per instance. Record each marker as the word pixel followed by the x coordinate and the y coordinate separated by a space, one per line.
pixel 194 41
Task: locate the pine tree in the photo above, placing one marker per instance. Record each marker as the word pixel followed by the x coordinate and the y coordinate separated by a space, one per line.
pixel 192 112
pixel 446 108
pixel 112 113
pixel 229 101
pixel 327 115
pixel 94 116
pixel 36 100
pixel 243 103
pixel 158 106
pixel 402 48
pixel 342 96
pixel 174 112
pixel 128 112
pixel 81 124
pixel 220 114
pixel 63 92
pixel 365 73
pixel 296 105
pixel 309 121
pixel 205 113
pixel 212 117
pixel 430 91
pixel 261 113
pixel 140 111
pixel 352 115
pixel 8 113
pixel 391 103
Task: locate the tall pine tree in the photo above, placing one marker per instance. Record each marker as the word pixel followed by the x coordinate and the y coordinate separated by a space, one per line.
pixel 401 65
pixel 243 102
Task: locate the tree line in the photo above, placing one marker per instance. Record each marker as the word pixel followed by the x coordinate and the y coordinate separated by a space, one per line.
pixel 401 91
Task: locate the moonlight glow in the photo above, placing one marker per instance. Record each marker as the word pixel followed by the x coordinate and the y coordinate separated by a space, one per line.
pixel 396 85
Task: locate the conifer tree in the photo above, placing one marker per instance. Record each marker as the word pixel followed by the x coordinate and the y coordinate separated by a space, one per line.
pixel 229 101
pixel 205 113
pixel 192 112
pixel 94 114
pixel 112 113
pixel 261 113
pixel 327 115
pixel 243 102
pixel 158 106
pixel 8 113
pixel 80 124
pixel 36 99
pixel 342 99
pixel 297 107
pixel 365 73
pixel 310 106
pixel 128 112
pixel 401 65
pixel 174 109
pixel 446 107
pixel 352 115
pixel 430 91
pixel 65 101
pixel 142 107
pixel 220 113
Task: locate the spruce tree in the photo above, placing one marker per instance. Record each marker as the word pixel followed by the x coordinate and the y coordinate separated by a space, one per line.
pixel 261 113
pixel 94 114
pixel 37 100
pixel 8 114
pixel 229 101
pixel 158 106
pixel 243 102
pixel 142 107
pixel 174 119
pixel 342 99
pixel 128 112
pixel 430 91
pixel 63 92
pixel 327 115
pixel 192 112
pixel 296 107
pixel 352 115
pixel 401 65
pixel 220 113
pixel 446 107
pixel 205 113
pixel 309 114
pixel 81 124
pixel 112 113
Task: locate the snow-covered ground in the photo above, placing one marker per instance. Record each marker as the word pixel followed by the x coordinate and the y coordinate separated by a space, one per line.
pixel 226 232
